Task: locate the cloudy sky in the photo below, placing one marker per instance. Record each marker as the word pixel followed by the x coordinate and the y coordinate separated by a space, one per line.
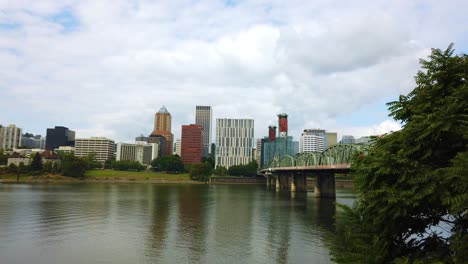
pixel 103 68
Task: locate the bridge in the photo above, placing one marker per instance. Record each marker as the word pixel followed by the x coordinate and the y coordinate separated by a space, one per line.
pixel 290 173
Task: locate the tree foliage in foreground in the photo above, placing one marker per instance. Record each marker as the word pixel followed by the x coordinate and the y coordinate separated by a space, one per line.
pixel 413 206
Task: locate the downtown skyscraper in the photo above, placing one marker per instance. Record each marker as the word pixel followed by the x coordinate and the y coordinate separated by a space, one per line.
pixel 203 118
pixel 162 127
pixel 234 141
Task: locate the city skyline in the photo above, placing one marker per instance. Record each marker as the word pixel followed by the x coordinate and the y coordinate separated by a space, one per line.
pixel 334 70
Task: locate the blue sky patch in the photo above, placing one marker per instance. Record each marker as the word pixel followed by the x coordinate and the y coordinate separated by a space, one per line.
pixel 66 19
pixel 9 26
pixel 230 3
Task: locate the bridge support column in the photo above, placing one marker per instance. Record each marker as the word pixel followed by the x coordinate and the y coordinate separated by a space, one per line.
pixel 268 181
pixel 300 180
pixel 284 181
pixel 277 182
pixel 292 181
pixel 325 185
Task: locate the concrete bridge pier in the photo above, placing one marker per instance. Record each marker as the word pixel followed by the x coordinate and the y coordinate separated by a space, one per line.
pixel 298 182
pixel 277 182
pixel 283 181
pixel 268 181
pixel 292 182
pixel 325 185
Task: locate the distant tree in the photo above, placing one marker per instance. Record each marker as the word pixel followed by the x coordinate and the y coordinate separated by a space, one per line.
pixel 248 170
pixel 108 164
pixel 210 161
pixel 36 163
pixel 47 167
pixel 12 168
pixel 71 165
pixel 220 171
pixel 91 162
pixel 200 171
pixel 22 169
pixel 171 164
pixel 3 158
pixel 55 167
pixel 74 167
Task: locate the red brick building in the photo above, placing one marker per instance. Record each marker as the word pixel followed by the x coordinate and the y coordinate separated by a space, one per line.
pixel 191 144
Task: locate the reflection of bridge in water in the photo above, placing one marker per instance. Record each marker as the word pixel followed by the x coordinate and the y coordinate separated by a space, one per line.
pixel 290 173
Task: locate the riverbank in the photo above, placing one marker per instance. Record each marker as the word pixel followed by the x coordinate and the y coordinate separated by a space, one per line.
pixel 110 176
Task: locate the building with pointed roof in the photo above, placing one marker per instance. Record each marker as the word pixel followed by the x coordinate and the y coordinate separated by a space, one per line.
pixel 162 127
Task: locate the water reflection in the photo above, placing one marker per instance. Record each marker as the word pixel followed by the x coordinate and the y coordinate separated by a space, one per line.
pixel 144 223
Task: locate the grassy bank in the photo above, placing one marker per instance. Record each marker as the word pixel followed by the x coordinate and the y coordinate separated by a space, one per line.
pixel 102 176
pixel 135 176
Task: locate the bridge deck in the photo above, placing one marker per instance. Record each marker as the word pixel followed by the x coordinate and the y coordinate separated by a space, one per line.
pixel 316 168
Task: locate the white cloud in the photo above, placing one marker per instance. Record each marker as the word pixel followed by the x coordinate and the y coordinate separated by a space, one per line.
pixel 125 59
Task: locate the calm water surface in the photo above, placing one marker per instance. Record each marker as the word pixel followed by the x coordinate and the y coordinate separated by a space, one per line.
pixel 146 223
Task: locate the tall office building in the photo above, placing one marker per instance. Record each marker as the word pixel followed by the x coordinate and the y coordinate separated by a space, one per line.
pixel 234 141
pixel 346 139
pixel 178 149
pixel 277 149
pixel 312 140
pixel 203 118
pixel 141 151
pixel 33 142
pixel 10 137
pixel 331 139
pixel 101 146
pixel 191 144
pixel 366 140
pixel 162 127
pixel 59 136
pixel 258 151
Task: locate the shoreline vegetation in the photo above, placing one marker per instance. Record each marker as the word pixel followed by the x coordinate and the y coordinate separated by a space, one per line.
pixel 111 176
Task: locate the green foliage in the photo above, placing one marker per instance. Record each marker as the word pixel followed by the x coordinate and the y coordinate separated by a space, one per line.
pixel 12 168
pixel 47 167
pixel 125 165
pixel 414 182
pixel 200 171
pixel 3 158
pixel 249 170
pixel 210 161
pixel 36 163
pixel 72 166
pixel 91 161
pixel 55 167
pixel 22 169
pixel 220 171
pixel 172 164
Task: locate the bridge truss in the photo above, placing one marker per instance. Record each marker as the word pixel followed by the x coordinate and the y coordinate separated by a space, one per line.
pixel 337 154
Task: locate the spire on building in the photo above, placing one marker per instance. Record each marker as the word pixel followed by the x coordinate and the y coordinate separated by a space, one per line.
pixel 163 110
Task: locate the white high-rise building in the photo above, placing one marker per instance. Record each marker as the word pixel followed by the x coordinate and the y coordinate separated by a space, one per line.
pixel 178 147
pixel 312 140
pixel 203 118
pixel 101 146
pixel 141 151
pixel 234 141
pixel 10 137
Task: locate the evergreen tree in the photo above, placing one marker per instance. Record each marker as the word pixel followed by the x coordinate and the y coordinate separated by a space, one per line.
pixel 413 205
pixel 36 163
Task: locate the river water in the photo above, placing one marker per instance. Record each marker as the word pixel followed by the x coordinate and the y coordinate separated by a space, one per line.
pixel 149 223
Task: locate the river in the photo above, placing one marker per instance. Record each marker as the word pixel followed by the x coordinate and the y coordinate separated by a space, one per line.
pixel 150 223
